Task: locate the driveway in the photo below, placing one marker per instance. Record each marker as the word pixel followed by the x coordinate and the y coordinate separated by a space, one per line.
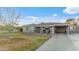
pixel 61 42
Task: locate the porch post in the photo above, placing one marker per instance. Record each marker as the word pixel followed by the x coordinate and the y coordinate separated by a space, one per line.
pixel 41 30
pixel 52 29
pixel 68 29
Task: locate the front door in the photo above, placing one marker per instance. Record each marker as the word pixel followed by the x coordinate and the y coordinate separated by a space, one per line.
pixel 47 30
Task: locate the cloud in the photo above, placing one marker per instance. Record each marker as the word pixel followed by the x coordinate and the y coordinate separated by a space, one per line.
pixel 54 15
pixel 31 17
pixel 52 19
pixel 36 20
pixel 71 10
pixel 62 20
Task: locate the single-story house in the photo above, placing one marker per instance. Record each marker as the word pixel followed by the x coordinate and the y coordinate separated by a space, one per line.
pixel 46 28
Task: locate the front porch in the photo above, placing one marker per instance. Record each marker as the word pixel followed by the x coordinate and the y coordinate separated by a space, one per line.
pixel 43 30
pixel 52 29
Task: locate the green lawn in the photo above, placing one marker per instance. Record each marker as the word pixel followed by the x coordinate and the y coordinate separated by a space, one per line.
pixel 21 41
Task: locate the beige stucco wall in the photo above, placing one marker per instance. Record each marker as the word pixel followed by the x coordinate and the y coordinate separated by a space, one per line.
pixel 28 29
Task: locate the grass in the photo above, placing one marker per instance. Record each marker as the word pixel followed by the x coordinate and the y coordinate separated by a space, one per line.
pixel 20 41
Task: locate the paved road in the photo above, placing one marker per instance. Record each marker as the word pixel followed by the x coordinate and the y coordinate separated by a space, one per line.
pixel 61 42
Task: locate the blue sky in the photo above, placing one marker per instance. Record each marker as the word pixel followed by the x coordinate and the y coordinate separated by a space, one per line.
pixel 47 14
pixel 40 11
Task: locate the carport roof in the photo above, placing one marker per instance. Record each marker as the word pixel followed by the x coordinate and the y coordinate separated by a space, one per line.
pixel 52 24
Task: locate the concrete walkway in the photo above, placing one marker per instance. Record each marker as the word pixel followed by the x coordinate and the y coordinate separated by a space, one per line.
pixel 61 42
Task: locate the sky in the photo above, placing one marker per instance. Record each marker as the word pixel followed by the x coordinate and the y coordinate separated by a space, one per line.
pixel 46 14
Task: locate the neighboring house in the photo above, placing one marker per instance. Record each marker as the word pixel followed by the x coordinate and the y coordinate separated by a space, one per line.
pixel 77 25
pixel 77 20
pixel 47 28
pixel 17 29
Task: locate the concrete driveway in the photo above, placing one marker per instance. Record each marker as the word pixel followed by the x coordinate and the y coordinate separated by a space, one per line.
pixel 61 42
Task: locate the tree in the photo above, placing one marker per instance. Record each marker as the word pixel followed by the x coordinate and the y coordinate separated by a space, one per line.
pixel 9 17
pixel 71 22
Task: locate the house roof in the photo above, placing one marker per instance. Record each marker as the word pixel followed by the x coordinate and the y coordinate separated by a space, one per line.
pixel 47 24
pixel 52 24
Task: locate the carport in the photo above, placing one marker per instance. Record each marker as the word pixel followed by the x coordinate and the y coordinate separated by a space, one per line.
pixel 61 29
